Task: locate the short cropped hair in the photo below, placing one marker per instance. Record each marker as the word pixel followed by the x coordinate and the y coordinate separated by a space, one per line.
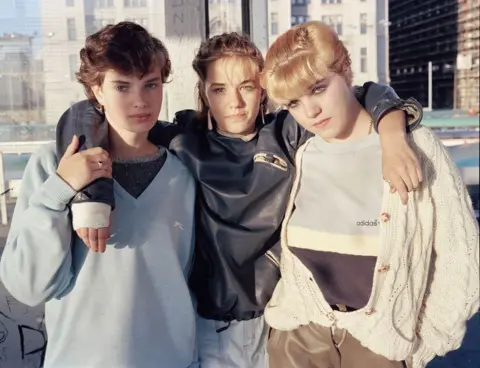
pixel 125 47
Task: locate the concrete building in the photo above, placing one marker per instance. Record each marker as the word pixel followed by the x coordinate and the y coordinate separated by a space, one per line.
pixel 279 18
pixel 21 89
pixel 468 58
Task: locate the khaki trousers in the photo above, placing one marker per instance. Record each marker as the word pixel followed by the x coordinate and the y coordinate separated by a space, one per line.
pixel 314 346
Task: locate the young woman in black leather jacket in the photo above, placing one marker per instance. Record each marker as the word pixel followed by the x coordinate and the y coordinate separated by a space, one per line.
pixel 242 158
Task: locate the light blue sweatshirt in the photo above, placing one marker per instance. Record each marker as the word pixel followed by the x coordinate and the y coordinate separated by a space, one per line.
pixel 127 308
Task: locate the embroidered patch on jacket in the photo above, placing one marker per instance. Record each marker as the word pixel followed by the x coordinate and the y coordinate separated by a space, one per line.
pixel 272 160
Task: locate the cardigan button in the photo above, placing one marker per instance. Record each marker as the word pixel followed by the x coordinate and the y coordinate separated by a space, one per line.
pixel 384 268
pixel 385 217
pixel 370 311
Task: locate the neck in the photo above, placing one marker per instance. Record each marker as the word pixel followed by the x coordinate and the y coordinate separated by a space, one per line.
pixel 360 123
pixel 246 136
pixel 125 145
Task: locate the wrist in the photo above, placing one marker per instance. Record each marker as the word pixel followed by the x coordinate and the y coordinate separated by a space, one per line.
pixel 59 174
pixel 393 124
pixel 387 140
pixel 392 133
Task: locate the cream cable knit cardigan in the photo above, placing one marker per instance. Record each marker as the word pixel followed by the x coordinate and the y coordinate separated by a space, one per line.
pixel 426 284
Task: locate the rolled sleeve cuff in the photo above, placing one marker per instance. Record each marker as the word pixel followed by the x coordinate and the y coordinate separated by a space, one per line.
pixel 58 190
pixel 411 107
pixel 93 215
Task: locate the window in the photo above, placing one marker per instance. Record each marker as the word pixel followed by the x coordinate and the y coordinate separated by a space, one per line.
pixel 334 21
pixel 142 21
pixel 302 19
pixel 100 4
pixel 225 16
pixel 363 23
pixel 363 60
pixel 98 24
pixel 134 3
pixel 70 3
pixel 71 29
pixel 73 65
pixel 274 23
pixel 294 20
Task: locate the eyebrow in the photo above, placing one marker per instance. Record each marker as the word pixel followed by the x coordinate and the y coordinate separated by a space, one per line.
pixel 223 84
pixel 309 88
pixel 118 81
pixel 319 81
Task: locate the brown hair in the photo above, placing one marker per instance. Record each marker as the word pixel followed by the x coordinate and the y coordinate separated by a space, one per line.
pixel 299 56
pixel 125 47
pixel 218 47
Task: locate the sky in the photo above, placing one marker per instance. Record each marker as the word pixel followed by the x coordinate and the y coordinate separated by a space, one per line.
pixel 20 16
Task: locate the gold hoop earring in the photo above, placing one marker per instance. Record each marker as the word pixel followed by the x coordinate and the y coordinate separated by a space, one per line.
pixel 209 121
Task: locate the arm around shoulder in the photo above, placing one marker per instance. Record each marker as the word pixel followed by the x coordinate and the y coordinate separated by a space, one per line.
pixel 379 100
pixel 452 294
pixel 36 261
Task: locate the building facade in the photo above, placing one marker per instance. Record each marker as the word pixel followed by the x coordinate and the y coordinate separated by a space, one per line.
pixel 468 58
pixel 423 32
pixel 279 18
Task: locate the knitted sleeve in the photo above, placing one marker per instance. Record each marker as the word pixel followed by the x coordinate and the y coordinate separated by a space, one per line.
pixel 452 294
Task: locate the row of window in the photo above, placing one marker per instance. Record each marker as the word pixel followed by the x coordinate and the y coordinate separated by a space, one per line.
pixel 299 19
pixel 99 4
pixel 445 68
pixel 96 24
pixel 73 63
pixel 335 21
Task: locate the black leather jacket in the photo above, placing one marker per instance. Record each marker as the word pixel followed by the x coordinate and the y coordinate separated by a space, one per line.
pixel 243 189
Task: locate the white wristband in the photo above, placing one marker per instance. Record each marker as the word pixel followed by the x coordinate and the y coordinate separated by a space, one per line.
pixel 92 215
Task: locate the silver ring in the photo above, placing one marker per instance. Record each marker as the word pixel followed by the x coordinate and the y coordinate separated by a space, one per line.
pixel 387 180
pixel 100 164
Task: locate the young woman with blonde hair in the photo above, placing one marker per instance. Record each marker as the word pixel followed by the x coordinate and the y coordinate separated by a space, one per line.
pixel 357 296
